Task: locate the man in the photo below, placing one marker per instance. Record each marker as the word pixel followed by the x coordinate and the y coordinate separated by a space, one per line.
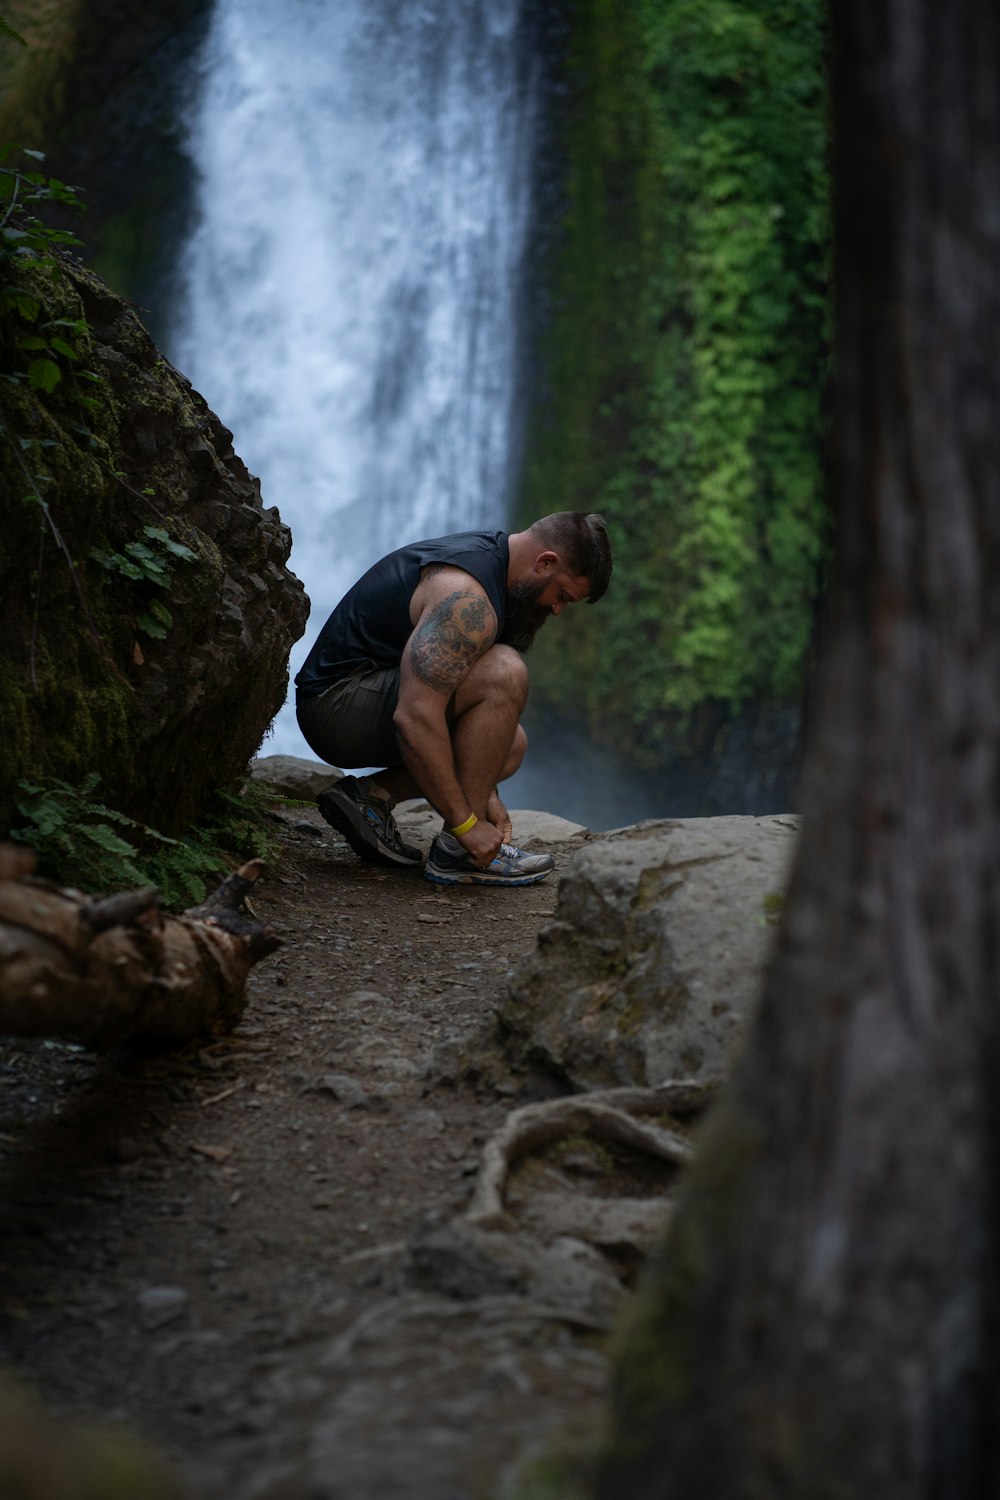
pixel 420 669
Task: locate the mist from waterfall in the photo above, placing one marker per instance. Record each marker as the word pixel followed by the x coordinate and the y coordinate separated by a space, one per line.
pixel 348 302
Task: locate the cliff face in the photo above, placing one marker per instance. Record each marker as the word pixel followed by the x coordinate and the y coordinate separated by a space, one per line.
pixel 101 88
pixel 680 351
pixel 149 612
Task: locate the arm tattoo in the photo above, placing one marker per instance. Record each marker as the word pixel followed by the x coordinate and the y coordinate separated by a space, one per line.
pixel 449 639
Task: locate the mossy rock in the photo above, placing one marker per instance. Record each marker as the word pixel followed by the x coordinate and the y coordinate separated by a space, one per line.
pixel 164 683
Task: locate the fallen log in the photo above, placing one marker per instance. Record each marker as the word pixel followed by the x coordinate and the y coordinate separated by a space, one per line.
pixel 107 970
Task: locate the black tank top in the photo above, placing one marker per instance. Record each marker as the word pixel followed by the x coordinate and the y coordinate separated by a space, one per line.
pixel 371 624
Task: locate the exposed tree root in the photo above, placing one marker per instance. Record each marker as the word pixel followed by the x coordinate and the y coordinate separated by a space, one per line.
pixel 611 1114
pixel 106 970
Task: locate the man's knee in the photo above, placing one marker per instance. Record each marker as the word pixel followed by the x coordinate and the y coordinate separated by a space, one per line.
pixel 499 671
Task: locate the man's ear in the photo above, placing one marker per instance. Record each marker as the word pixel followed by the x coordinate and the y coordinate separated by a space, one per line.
pixel 546 562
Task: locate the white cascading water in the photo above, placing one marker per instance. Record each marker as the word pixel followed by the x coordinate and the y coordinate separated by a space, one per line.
pixel 349 299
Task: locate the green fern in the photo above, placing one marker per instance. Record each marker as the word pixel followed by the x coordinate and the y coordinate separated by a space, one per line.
pixel 84 843
pixel 6 29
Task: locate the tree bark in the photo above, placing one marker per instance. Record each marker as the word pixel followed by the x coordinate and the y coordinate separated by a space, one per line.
pixel 115 969
pixel 822 1319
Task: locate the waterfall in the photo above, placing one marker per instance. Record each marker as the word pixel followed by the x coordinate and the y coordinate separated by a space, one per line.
pixel 349 299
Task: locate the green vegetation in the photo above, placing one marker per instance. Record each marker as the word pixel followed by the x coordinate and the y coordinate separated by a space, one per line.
pixel 687 357
pixel 149 561
pixel 64 702
pixel 97 541
pixel 84 843
pixel 27 243
pixel 47 1457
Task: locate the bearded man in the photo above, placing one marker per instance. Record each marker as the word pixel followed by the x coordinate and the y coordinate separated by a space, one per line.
pixel 420 669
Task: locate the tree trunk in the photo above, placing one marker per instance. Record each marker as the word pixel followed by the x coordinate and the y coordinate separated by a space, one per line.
pixel 821 1321
pixel 106 971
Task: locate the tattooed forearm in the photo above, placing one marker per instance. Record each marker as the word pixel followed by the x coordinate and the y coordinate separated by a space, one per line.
pixel 450 637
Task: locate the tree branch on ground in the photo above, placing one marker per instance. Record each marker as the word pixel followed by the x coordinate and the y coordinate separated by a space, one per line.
pixel 107 970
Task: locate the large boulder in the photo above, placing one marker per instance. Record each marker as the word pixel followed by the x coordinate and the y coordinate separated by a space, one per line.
pixel 294 777
pixel 656 953
pixel 149 611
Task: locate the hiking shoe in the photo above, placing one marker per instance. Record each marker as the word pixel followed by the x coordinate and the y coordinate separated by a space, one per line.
pixel 366 823
pixel 510 866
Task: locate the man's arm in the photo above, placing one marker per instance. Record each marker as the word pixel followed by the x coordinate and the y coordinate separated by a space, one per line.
pixel 454 625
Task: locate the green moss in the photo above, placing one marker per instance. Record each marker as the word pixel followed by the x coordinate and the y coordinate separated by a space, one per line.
pixel 16 715
pixel 631 1017
pixel 70 625
pixel 565 1470
pixel 43 1456
pixel 656 1348
pixel 581 1144
pixel 60 691
pixel 774 908
pixel 686 359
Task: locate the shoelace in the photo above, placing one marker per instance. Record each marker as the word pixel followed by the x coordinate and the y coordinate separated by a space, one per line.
pixel 384 817
pixel 507 851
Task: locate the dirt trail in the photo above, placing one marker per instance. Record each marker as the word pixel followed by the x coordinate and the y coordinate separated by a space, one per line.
pixel 216 1247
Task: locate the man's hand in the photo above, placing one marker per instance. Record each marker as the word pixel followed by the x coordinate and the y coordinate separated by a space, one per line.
pixel 499 817
pixel 481 842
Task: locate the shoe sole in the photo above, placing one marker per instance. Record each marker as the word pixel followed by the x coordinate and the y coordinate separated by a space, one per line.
pixel 465 877
pixel 356 829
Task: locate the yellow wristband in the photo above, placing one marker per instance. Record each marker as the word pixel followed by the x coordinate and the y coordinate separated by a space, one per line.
pixel 470 822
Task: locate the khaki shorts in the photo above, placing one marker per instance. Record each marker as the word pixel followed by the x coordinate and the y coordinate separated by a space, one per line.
pixel 351 723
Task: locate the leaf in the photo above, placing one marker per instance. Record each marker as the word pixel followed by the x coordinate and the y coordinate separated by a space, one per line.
pixel 61 347
pixel 151 627
pixel 7 29
pixel 160 612
pixel 105 838
pixel 152 566
pixel 166 541
pixel 44 375
pixel 26 303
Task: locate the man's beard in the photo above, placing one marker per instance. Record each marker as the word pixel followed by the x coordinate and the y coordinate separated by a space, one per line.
pixel 525 617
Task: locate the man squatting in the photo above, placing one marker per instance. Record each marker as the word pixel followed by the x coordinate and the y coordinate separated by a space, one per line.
pixel 420 669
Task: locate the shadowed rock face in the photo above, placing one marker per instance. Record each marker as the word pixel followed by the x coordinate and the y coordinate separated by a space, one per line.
pixel 656 954
pixel 84 685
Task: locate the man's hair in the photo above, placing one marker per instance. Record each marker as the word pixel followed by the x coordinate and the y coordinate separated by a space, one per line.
pixel 582 543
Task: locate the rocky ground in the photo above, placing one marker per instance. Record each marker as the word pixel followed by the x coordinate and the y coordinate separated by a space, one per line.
pixel 252 1252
